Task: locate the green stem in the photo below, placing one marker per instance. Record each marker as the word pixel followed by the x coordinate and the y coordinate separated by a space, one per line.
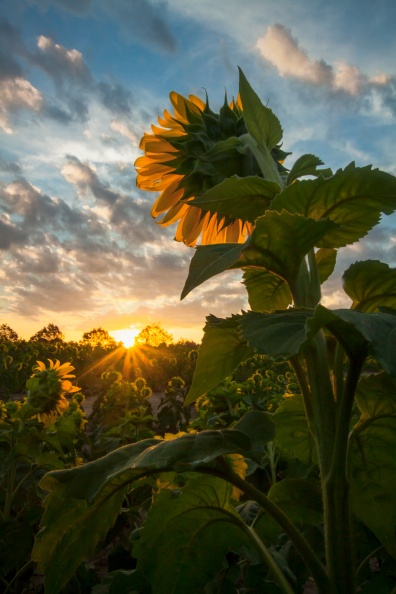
pixel 269 561
pixel 303 548
pixel 264 159
pixel 338 525
pixel 338 371
pixel 304 387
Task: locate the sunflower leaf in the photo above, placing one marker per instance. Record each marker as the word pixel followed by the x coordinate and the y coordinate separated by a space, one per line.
pixel 244 198
pixel 306 165
pixel 373 467
pixel 221 351
pixel 280 241
pixel 261 122
pixel 370 284
pixel 84 501
pixel 208 261
pixel 204 528
pixel 325 261
pixel 337 198
pixel 266 291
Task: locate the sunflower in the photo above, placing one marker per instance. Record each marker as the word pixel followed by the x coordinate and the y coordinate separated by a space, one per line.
pixel 192 151
pixel 48 386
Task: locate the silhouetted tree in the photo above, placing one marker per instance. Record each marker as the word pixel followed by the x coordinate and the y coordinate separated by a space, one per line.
pixel 154 335
pixel 98 337
pixel 50 333
pixel 7 334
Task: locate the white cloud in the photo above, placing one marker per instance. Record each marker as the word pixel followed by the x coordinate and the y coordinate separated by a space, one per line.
pixel 17 93
pixel 282 50
pixel 125 130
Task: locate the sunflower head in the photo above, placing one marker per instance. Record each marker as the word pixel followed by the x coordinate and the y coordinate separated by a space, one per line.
pixel 192 151
pixel 48 386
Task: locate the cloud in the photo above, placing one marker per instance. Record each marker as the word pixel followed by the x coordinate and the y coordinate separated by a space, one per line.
pixel 85 178
pixel 282 50
pixel 125 130
pixel 16 94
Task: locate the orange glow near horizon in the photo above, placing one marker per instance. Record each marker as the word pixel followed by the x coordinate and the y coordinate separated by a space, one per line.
pixel 126 336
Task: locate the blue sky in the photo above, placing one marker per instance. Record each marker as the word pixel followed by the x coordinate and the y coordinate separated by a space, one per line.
pixel 82 80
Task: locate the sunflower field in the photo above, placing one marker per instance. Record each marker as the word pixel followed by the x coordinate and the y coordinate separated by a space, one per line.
pixel 268 463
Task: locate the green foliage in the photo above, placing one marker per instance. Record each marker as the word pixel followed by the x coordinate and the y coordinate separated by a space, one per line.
pixel 50 333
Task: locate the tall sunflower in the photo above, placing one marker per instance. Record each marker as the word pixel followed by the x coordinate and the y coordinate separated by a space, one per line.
pixel 192 151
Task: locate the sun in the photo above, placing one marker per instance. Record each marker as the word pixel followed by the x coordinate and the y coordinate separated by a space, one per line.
pixel 126 336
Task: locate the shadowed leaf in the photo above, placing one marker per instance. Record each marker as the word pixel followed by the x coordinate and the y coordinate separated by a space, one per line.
pixel 370 284
pixel 221 351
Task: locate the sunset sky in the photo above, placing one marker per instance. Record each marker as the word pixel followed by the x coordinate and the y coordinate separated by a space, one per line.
pixel 82 80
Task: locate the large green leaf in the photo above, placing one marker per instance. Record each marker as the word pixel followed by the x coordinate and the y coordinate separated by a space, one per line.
pixel 261 122
pixel 221 351
pixel 243 198
pixel 84 502
pixel 325 261
pixel 373 467
pixel 292 432
pixel 280 241
pixel 370 284
pixel 279 335
pixel 266 291
pixel 187 535
pixel 208 261
pixel 354 198
pixel 306 165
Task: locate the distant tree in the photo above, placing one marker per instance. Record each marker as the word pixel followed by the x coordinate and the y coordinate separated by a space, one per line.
pixel 50 333
pixel 7 334
pixel 98 337
pixel 154 335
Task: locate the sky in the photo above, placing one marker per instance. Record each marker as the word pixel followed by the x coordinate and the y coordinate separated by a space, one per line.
pixel 82 80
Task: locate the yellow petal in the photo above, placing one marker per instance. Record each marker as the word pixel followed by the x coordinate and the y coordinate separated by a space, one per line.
pixel 169 197
pixel 174 214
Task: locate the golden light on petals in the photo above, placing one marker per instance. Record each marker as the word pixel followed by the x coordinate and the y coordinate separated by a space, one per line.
pixel 175 164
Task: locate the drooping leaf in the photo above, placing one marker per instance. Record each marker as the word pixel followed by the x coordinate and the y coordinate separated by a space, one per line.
pixel 243 198
pixel 208 261
pixel 367 191
pixel 370 284
pixel 360 333
pixel 325 261
pixel 307 165
pixel 84 502
pixel 292 432
pixel 221 351
pixel 266 291
pixel 373 465
pixel 279 335
pixel 261 122
pixel 187 535
pixel 280 241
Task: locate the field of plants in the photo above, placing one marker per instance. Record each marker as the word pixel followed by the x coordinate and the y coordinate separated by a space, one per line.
pixel 266 464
